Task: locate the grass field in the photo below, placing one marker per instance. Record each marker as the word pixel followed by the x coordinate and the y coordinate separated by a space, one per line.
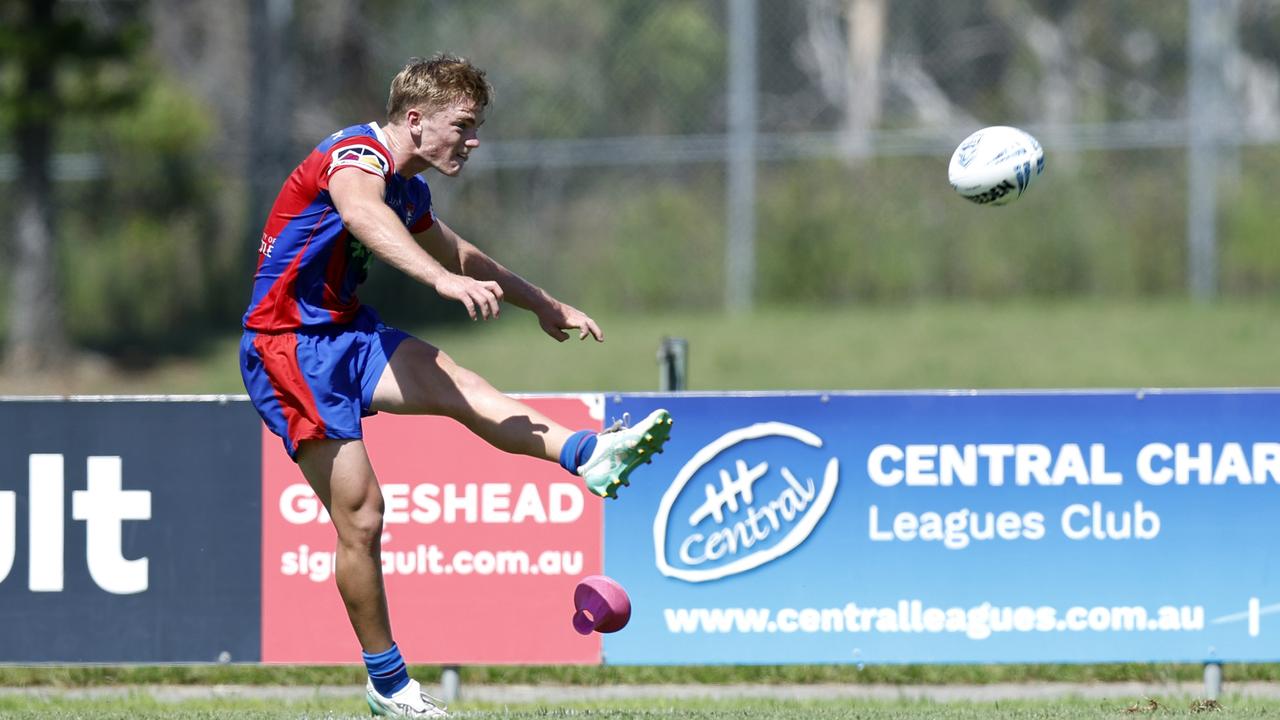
pixel 140 707
pixel 1040 344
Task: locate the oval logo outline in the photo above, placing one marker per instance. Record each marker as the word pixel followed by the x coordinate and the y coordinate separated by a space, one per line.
pixel 791 541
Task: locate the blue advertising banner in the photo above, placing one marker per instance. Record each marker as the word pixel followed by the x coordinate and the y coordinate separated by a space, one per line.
pixel 952 527
pixel 130 531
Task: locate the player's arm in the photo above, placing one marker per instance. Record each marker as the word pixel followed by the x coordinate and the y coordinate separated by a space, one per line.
pixel 359 198
pixel 460 256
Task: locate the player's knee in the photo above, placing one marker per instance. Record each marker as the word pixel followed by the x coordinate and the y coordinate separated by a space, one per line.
pixel 362 528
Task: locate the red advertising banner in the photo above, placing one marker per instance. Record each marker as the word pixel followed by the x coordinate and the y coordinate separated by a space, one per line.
pixel 481 549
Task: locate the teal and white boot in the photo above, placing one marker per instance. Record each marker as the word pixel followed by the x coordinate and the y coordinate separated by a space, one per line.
pixel 620 449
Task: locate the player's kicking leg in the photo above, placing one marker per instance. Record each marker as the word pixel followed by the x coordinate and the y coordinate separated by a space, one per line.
pixel 420 379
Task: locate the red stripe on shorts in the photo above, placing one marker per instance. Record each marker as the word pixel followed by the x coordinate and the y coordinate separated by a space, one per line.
pixel 279 355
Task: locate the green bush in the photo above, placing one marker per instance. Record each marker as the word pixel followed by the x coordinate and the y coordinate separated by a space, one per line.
pixel 1250 260
pixel 1099 225
pixel 138 267
pixel 891 230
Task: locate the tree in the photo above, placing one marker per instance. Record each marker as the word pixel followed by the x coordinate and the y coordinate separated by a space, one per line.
pixel 57 65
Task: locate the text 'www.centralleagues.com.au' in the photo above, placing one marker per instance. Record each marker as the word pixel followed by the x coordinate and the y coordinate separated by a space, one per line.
pixel 976 622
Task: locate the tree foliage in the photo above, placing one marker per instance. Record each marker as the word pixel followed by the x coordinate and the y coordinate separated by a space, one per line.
pixel 57 66
pixel 158 253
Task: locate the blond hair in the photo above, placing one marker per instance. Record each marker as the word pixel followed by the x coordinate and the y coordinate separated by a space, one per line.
pixel 435 83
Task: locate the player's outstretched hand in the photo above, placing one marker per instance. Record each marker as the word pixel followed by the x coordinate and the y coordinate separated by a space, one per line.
pixel 560 317
pixel 482 298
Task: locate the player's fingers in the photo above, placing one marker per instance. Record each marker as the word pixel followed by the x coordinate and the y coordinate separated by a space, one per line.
pixel 558 334
pixel 484 303
pixel 493 301
pixel 470 305
pixel 495 288
pixel 589 327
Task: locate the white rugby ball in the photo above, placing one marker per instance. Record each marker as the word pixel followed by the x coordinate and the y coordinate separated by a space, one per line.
pixel 995 165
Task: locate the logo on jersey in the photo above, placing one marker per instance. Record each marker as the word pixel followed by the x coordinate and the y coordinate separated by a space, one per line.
pixel 364 157
pixel 361 255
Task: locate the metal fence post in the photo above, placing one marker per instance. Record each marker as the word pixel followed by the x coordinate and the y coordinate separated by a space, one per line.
pixel 673 364
pixel 1212 680
pixel 450 684
pixel 740 165
pixel 1206 37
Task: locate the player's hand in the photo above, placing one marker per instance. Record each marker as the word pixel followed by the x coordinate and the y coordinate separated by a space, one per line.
pixel 560 317
pixel 482 298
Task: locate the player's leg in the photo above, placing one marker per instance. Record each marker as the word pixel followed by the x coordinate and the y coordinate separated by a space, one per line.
pixel 342 477
pixel 420 379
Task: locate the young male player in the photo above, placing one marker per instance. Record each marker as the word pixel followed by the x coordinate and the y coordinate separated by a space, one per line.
pixel 315 360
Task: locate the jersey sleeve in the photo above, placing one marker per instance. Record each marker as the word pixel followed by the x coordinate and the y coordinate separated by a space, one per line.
pixel 362 153
pixel 424 216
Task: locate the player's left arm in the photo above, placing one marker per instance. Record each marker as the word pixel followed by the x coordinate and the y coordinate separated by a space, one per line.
pixel 460 256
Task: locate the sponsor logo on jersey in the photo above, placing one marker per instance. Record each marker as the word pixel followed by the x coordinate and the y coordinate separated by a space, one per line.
pixel 364 157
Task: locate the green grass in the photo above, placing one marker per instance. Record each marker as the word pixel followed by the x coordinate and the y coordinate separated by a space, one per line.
pixel 141 707
pixel 1049 344
pixel 958 345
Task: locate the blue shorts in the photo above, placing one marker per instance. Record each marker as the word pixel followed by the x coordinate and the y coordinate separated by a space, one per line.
pixel 317 383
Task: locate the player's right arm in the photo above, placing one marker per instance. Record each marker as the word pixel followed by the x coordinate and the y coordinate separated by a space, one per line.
pixel 359 199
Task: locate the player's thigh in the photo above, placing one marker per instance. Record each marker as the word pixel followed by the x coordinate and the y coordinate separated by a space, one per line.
pixel 341 475
pixel 420 379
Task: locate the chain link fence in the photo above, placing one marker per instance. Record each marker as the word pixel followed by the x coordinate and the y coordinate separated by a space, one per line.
pixel 612 146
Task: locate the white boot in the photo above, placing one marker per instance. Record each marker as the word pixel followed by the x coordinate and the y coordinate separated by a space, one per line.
pixel 620 449
pixel 410 701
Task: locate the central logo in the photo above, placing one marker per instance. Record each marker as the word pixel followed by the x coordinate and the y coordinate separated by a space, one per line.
pixel 759 510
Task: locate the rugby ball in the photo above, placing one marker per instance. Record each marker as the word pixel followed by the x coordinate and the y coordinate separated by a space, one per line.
pixel 995 165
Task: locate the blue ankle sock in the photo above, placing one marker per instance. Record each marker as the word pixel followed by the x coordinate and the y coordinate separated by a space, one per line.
pixel 387 670
pixel 577 449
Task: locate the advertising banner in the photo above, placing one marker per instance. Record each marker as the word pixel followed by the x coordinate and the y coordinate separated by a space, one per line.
pixel 129 531
pixel 952 527
pixel 481 550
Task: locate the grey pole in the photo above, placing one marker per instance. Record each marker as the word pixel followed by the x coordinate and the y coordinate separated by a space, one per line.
pixel 271 24
pixel 673 364
pixel 450 684
pixel 1212 680
pixel 740 168
pixel 1205 31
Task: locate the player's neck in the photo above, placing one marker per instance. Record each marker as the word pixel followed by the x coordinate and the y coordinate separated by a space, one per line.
pixel 398 142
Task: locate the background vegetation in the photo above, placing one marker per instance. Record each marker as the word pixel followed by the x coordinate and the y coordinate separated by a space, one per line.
pixel 940 345
pixel 156 239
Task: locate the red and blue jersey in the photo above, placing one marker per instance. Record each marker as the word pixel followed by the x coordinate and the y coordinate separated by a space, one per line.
pixel 308 264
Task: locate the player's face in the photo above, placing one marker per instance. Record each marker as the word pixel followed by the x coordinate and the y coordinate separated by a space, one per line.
pixel 449 136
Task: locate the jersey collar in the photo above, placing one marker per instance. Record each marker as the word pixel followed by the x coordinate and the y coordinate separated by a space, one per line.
pixel 381 135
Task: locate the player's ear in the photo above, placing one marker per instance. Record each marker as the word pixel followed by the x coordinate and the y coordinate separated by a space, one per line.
pixel 413 120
